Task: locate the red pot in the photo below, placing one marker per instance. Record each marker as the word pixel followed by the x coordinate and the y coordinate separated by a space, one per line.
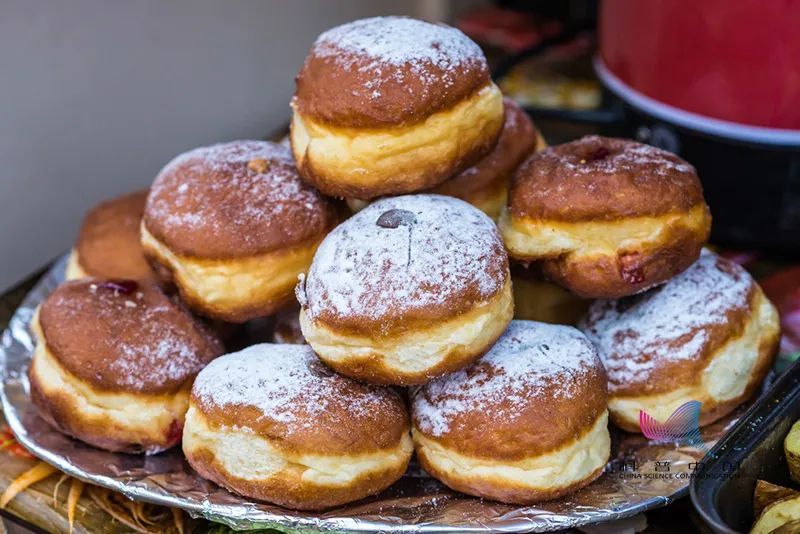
pixel 730 68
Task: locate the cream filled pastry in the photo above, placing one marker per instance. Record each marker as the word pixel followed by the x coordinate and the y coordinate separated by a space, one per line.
pixel 605 217
pixel 391 105
pixel 410 288
pixel 485 184
pixel 708 335
pixel 525 423
pixel 232 225
pixel 273 423
pixel 114 363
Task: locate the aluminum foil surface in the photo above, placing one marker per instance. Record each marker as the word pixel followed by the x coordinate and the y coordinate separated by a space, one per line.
pixel 641 475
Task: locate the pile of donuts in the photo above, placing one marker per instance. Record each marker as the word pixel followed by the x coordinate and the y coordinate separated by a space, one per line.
pixel 381 244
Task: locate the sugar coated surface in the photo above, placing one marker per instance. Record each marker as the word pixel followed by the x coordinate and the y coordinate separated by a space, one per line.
pixel 152 340
pixel 639 334
pixel 287 383
pixel 525 363
pixel 218 188
pixel 435 249
pixel 396 44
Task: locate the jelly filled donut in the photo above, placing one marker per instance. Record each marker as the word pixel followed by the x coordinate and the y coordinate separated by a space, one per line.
pixel 232 225
pixel 708 335
pixel 607 217
pixel 525 423
pixel 114 364
pixel 392 105
pixel 273 423
pixel 485 184
pixel 108 244
pixel 409 288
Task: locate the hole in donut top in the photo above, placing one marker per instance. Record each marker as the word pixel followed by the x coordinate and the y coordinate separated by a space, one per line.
pixel 124 287
pixel 598 154
pixel 394 218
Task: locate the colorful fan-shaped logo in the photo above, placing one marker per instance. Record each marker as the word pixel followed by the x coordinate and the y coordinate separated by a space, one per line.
pixel 682 427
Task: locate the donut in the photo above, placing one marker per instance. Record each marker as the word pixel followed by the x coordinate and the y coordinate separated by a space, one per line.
pixel 114 363
pixel 485 184
pixel 232 225
pixel 527 422
pixel 272 423
pixel 407 289
pixel 708 335
pixel 606 217
pixel 108 244
pixel 286 328
pixel 392 105
pixel 536 299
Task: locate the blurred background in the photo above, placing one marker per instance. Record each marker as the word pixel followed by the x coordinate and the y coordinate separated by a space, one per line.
pixel 98 96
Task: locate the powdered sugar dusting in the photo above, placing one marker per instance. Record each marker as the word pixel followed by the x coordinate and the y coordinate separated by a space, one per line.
pixel 639 334
pixel 140 340
pixel 442 249
pixel 282 381
pixel 524 364
pixel 231 186
pixel 170 358
pixel 399 43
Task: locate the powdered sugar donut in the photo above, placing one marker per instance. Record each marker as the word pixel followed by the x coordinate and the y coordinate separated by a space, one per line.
pixel 525 423
pixel 392 105
pixel 114 363
pixel 232 225
pixel 708 335
pixel 273 423
pixel 606 217
pixel 409 288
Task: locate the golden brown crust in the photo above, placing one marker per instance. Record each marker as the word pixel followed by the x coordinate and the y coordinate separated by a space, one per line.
pixel 665 372
pixel 546 425
pixel 375 367
pixel 357 418
pixel 124 337
pixel 505 492
pixel 236 200
pixel 502 410
pixel 387 71
pixel 108 244
pixel 243 311
pixel 602 178
pixel 627 272
pixel 60 410
pixel 288 489
pixel 424 177
pixel 712 410
pixel 491 174
pixel 359 284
